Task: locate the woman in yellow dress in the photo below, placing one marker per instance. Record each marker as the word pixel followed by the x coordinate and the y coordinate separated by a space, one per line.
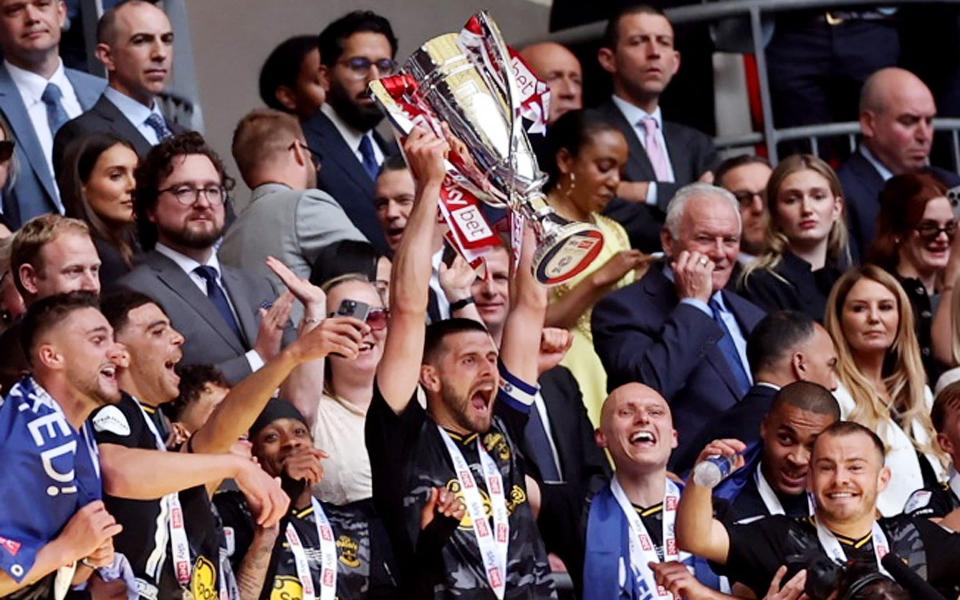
pixel 588 154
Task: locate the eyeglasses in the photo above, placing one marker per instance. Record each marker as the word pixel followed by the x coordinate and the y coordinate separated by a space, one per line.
pixel 745 197
pixel 931 230
pixel 6 150
pixel 360 65
pixel 314 155
pixel 188 195
pixel 376 318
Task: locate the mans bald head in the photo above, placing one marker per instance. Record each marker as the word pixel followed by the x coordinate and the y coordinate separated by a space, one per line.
pixel 896 119
pixel 561 70
pixel 625 392
pixel 636 428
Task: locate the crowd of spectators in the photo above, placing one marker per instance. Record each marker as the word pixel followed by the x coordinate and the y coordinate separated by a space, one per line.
pixel 317 397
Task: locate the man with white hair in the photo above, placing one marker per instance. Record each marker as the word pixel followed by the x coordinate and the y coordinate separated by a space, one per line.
pixel 677 330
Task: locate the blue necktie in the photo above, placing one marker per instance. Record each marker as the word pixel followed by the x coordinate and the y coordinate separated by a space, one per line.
pixel 159 126
pixel 369 157
pixel 729 350
pixel 56 115
pixel 218 297
pixel 539 446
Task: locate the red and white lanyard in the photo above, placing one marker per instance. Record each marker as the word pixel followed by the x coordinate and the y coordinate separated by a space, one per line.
pixel 642 549
pixel 769 497
pixel 831 545
pixel 328 557
pixel 179 546
pixel 493 544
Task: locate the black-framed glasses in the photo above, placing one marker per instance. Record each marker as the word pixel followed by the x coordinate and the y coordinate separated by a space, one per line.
pixel 6 150
pixel 188 195
pixel 360 65
pixel 931 230
pixel 745 197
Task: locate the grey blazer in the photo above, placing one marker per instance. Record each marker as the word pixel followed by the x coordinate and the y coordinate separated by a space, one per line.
pixel 35 192
pixel 208 339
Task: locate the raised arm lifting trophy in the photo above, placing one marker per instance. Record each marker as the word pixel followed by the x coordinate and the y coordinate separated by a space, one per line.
pixel 479 88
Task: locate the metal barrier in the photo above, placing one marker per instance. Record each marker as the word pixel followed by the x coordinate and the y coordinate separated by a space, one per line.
pixel 754 11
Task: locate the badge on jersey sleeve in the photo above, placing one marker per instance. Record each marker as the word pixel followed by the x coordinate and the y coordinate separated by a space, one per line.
pixel 112 420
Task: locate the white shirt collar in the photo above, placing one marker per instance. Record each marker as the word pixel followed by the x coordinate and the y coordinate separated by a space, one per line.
pixel 350 135
pixel 635 114
pixel 186 263
pixel 884 172
pixel 32 84
pixel 135 112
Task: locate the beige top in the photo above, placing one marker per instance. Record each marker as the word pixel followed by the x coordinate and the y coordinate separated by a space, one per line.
pixel 338 431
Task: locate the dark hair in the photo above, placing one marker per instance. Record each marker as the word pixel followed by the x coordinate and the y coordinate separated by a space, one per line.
pixel 776 336
pixel 611 33
pixel 394 162
pixel 807 396
pixel 860 580
pixel 333 35
pixel 847 428
pixel 571 132
pixel 159 164
pixel 282 68
pixel 736 162
pixel 116 306
pixel 73 173
pixel 902 202
pixel 438 331
pixel 345 256
pixel 47 313
pixel 947 399
pixel 193 380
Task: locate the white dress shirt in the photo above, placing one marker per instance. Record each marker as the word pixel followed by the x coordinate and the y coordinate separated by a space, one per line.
pixel 635 116
pixel 187 265
pixel 136 113
pixel 351 136
pixel 31 87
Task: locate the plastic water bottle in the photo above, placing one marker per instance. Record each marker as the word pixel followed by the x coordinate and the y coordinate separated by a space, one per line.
pixel 708 473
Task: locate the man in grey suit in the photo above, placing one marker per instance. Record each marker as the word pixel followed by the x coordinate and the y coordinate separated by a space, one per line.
pixel 287 218
pixel 179 204
pixel 37 96
pixel 638 51
pixel 135 44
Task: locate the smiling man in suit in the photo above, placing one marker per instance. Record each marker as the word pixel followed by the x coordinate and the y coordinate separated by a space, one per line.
pixel 135 44
pixel 37 96
pixel 678 330
pixel 354 50
pixel 638 51
pixel 179 204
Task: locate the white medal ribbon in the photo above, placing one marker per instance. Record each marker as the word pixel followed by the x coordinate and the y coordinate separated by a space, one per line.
pixel 769 497
pixel 954 482
pixel 328 557
pixel 642 549
pixel 179 545
pixel 493 544
pixel 831 545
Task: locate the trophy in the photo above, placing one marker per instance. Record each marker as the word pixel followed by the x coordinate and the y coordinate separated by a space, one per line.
pixel 480 89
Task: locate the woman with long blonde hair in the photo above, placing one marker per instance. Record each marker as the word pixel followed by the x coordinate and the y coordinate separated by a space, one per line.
pixel 806 246
pixel 882 382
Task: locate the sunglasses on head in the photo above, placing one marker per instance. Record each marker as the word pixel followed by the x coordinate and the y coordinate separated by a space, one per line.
pixel 6 150
pixel 931 230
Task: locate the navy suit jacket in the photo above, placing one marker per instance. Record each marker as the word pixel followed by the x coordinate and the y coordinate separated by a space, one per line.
pixel 691 153
pixel 34 191
pixel 343 177
pixel 862 185
pixel 106 117
pixel 642 332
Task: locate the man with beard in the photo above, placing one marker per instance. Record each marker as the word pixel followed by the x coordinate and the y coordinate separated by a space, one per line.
pixel 354 50
pixel 52 514
pixel 846 475
pixel 774 480
pixel 173 504
pixel 179 206
pixel 460 443
pixel 287 217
